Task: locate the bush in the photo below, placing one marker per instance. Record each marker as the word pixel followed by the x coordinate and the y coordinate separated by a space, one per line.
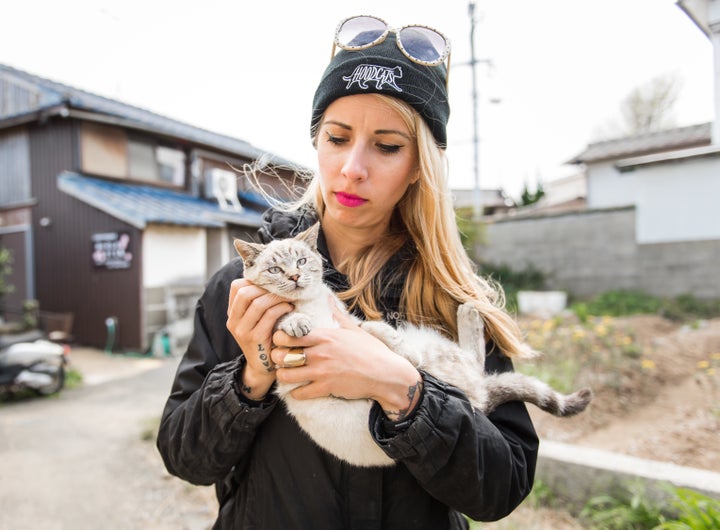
pixel 512 281
pixel 625 302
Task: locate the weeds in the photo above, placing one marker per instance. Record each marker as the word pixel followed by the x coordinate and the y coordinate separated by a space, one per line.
pixel 595 349
pixel 694 512
pixel 685 308
pixel 633 510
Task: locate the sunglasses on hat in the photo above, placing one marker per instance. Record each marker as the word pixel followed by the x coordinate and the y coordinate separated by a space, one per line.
pixel 420 44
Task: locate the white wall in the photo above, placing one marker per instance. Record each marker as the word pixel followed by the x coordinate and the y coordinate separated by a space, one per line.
pixel 678 201
pixel 565 189
pixel 173 254
pixel 608 188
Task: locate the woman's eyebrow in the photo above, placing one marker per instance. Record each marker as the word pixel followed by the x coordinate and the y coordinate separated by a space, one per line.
pixel 393 131
pixel 338 123
pixel 377 131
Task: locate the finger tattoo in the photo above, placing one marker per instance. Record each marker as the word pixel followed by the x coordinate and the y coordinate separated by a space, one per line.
pixel 264 358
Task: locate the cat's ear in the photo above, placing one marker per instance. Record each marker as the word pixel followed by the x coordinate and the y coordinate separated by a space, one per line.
pixel 248 251
pixel 310 236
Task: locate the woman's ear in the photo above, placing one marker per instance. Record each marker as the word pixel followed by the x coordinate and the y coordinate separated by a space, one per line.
pixel 415 176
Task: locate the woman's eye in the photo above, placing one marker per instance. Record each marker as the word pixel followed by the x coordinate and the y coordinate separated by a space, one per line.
pixel 301 261
pixel 337 140
pixel 274 270
pixel 389 148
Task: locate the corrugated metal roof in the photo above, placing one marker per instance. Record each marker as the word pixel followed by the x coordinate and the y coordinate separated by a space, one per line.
pixel 645 144
pixel 48 93
pixel 143 205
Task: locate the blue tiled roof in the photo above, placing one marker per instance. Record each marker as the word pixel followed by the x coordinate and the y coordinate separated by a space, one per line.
pixel 51 93
pixel 143 205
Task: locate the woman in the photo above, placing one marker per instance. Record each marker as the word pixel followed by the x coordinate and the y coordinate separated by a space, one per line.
pixel 392 251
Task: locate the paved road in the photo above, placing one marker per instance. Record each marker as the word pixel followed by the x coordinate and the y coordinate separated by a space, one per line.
pixel 78 461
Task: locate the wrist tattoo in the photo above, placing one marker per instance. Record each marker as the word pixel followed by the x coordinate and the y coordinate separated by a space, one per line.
pixel 246 389
pixel 399 415
pixel 264 358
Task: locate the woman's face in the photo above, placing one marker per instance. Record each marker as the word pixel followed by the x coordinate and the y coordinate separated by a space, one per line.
pixel 367 158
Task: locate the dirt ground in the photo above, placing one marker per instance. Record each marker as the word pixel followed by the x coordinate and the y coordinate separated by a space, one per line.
pixel 669 412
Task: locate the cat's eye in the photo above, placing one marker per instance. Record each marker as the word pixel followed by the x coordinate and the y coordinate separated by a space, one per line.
pixel 274 270
pixel 301 262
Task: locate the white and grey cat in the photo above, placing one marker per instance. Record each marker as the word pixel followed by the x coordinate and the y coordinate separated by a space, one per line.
pixel 292 268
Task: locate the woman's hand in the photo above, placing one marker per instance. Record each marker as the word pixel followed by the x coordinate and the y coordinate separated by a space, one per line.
pixel 252 313
pixel 349 363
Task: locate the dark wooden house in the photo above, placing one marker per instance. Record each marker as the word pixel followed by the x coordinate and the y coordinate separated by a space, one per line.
pixel 115 216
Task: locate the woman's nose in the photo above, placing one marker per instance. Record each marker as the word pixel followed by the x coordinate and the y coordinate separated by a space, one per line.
pixel 355 166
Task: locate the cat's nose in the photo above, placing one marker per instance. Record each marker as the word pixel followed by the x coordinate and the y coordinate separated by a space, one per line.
pixel 295 277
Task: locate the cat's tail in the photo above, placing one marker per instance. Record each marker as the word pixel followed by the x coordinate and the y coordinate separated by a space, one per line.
pixel 513 386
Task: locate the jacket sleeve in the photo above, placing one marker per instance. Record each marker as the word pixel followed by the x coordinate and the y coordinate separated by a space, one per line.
pixel 206 428
pixel 482 466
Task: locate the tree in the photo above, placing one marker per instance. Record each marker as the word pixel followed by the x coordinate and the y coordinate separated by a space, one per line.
pixel 647 108
pixel 529 197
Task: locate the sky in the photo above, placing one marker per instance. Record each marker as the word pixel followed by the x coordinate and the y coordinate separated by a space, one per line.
pixel 551 73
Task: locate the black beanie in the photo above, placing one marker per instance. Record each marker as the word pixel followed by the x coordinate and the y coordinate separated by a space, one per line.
pixel 384 69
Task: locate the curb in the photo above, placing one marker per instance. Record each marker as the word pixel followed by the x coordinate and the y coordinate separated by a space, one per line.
pixel 578 474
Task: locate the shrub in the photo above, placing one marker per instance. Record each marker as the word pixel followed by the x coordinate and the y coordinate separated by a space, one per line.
pixel 512 281
pixel 627 302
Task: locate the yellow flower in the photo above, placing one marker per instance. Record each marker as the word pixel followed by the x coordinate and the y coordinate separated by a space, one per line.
pixel 710 371
pixel 601 330
pixel 548 325
pixel 715 356
pixel 647 364
pixel 703 364
pixel 578 334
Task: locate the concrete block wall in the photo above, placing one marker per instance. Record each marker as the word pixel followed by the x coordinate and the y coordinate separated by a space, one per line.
pixel 591 251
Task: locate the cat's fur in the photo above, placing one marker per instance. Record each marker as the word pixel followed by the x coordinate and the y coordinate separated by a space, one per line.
pixel 292 269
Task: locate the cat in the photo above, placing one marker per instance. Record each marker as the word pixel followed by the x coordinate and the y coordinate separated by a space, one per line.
pixel 293 269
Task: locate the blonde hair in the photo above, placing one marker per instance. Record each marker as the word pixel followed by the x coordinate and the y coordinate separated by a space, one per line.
pixel 442 276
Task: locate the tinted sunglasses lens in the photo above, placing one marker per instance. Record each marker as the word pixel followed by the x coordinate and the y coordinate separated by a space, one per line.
pixel 360 32
pixel 423 44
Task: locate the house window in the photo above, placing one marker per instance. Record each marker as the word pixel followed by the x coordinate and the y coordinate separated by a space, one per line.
pixel 104 150
pixel 111 152
pixel 171 165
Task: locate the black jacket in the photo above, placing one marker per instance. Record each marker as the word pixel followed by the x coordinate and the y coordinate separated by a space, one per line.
pixel 270 476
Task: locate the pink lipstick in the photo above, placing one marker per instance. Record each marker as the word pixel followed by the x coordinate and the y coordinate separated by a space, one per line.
pixel 349 200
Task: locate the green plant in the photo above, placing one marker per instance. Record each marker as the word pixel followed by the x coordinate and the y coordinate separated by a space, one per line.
pixel 471 232
pixel 631 510
pixel 514 280
pixel 694 512
pixel 73 378
pixel 599 352
pixel 620 303
pixel 626 302
pixel 31 311
pixel 6 261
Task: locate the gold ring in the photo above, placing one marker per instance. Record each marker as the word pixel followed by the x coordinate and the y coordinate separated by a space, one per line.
pixel 294 357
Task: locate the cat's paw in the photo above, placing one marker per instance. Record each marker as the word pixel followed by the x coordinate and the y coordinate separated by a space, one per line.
pixel 382 331
pixel 295 325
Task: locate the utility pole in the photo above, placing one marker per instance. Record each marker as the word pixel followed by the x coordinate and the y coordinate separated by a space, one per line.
pixel 477 194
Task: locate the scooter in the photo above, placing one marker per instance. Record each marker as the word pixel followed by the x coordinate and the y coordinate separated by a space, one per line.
pixel 28 361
